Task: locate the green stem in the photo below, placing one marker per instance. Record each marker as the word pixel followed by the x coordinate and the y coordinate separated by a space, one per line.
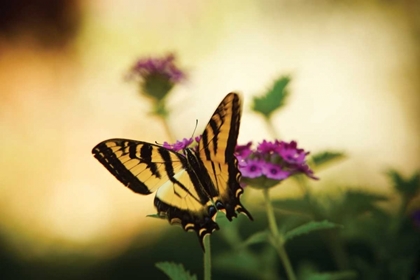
pixel 160 111
pixel 271 128
pixel 277 237
pixel 168 130
pixel 331 238
pixel 207 258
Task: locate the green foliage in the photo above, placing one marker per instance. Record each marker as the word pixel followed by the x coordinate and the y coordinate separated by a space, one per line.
pixel 321 159
pixel 354 203
pixel 250 264
pixel 343 275
pixel 258 237
pixel 310 227
pixel 175 271
pixel 309 272
pixel 407 187
pixel 372 243
pixel 274 98
pixel 157 86
pixel 156 216
pixel 297 205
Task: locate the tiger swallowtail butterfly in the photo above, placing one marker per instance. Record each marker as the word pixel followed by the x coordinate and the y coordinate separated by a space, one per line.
pixel 192 185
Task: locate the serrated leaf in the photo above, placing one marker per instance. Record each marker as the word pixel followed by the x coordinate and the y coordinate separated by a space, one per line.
pixel 325 157
pixel 310 227
pixel 175 271
pixel 258 237
pixel 408 187
pixel 273 99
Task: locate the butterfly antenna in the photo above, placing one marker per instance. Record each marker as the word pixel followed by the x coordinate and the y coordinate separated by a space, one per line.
pixel 195 128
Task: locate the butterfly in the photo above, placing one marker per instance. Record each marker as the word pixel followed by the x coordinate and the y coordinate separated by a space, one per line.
pixel 191 186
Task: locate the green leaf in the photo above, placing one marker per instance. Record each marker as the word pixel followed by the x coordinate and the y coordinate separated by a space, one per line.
pixel 252 265
pixel 175 271
pixel 361 197
pixel 408 187
pixel 274 98
pixel 258 237
pixel 156 216
pixel 353 204
pixel 310 227
pixel 342 275
pixel 326 157
pixel 308 271
pixel 359 201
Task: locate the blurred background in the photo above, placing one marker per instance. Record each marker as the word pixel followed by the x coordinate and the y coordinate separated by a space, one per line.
pixel 355 68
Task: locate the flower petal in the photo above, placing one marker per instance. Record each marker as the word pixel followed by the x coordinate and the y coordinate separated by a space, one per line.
pixel 250 168
pixel 274 171
pixel 243 151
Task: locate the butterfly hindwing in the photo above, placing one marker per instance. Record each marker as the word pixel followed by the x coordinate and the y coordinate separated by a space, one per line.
pixel 144 168
pixel 194 212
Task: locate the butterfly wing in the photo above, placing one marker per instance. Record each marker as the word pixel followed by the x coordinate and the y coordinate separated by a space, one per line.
pixel 140 166
pixel 145 168
pixel 216 150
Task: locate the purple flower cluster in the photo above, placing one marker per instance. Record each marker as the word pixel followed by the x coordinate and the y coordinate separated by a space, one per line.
pixel 179 146
pixel 164 67
pixel 275 161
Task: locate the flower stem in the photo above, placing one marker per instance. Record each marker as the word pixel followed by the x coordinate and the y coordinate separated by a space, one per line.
pixel 168 130
pixel 207 258
pixel 331 238
pixel 271 128
pixel 277 238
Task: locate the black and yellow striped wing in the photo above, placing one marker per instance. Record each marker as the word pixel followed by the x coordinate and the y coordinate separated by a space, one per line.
pixel 216 149
pixel 145 168
pixel 190 186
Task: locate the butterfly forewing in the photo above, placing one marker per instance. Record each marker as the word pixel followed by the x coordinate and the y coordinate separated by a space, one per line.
pixel 216 149
pixel 141 166
pixel 218 140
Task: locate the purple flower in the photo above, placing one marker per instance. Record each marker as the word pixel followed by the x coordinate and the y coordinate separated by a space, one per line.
pixel 157 76
pixel 197 138
pixel 179 146
pixel 164 66
pixel 291 154
pixel 251 168
pixel 274 171
pixel 271 162
pixel 266 147
pixel 243 151
pixel 304 168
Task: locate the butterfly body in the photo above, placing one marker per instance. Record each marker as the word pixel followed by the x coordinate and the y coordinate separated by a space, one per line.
pixel 191 185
